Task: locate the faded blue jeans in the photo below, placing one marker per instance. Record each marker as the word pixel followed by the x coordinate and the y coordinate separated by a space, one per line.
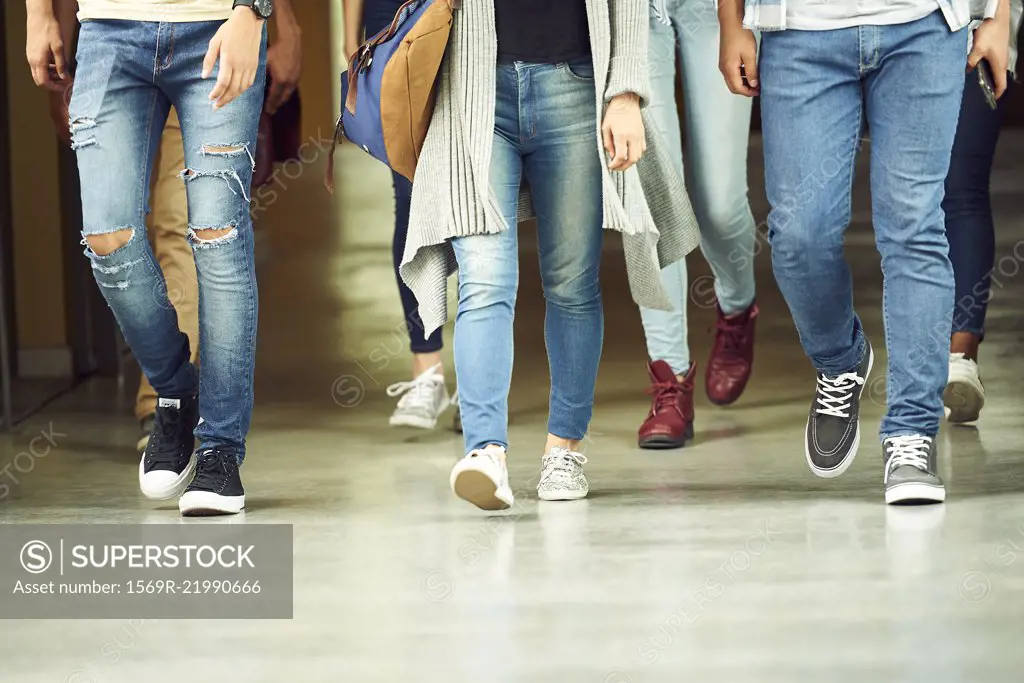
pixel 818 89
pixel 545 135
pixel 717 135
pixel 129 74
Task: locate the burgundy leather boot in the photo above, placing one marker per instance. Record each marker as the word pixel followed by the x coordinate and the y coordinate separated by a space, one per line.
pixel 669 424
pixel 732 356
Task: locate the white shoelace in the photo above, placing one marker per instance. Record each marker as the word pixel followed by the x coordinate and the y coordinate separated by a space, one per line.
pixel 561 462
pixel 910 450
pixel 419 393
pixel 836 393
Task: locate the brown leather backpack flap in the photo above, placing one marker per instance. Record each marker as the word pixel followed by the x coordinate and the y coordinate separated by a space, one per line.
pixel 409 86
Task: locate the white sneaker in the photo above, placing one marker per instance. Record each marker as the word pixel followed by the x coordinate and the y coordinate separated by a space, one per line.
pixel 481 478
pixel 561 476
pixel 964 394
pixel 423 400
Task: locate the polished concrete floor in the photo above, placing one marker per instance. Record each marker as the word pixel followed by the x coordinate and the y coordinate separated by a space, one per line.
pixel 726 561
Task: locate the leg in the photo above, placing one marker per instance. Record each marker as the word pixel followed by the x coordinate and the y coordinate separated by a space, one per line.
pixel 811 118
pixel 564 171
pixel 168 225
pixel 912 102
pixel 666 330
pixel 967 206
pixel 220 146
pixel 717 136
pixel 429 347
pixel 117 115
pixel 488 283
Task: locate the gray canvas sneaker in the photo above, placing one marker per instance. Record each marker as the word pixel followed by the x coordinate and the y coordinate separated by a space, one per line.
pixel 833 426
pixel 911 470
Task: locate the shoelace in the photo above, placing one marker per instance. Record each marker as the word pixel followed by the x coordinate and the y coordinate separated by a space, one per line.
pixel 561 462
pixel 665 394
pixel 419 393
pixel 733 334
pixel 163 448
pixel 211 468
pixel 910 450
pixel 835 394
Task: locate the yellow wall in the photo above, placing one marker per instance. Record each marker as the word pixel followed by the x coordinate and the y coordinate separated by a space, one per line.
pixel 36 218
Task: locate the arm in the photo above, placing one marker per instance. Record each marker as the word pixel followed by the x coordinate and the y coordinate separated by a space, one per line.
pixel 353 26
pixel 628 87
pixel 284 57
pixel 737 52
pixel 44 45
pixel 992 43
pixel 629 69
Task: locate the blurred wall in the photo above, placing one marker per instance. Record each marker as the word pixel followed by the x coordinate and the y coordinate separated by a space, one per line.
pixel 35 213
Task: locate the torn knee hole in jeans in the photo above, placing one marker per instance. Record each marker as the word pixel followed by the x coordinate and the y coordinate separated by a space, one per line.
pixel 111 267
pixel 236 149
pixel 76 126
pixel 230 176
pixel 204 237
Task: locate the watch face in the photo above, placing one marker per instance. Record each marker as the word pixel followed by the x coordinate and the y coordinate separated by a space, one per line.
pixel 263 7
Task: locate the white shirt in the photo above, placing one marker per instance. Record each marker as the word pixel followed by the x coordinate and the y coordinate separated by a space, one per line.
pixel 827 15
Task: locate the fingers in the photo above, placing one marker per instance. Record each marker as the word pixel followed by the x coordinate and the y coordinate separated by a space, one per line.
pixel 58 60
pixel 276 97
pixel 732 70
pixel 974 57
pixel 750 68
pixel 620 159
pixel 211 56
pixel 999 76
pixel 609 143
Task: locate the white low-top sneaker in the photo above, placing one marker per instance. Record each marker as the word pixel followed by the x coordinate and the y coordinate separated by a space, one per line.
pixel 964 394
pixel 481 478
pixel 561 475
pixel 422 401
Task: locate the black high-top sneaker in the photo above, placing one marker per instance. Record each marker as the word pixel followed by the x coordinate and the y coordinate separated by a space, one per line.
pixel 216 488
pixel 167 464
pixel 911 470
pixel 833 427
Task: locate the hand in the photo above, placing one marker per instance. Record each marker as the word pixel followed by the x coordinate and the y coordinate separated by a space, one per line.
pixel 237 45
pixel 59 100
pixel 737 58
pixel 45 51
pixel 992 43
pixel 284 67
pixel 623 130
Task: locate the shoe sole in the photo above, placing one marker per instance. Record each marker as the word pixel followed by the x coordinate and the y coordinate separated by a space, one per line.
pixel 963 400
pixel 166 492
pixel 477 488
pixel 914 492
pixel 660 442
pixel 855 446
pixel 207 503
pixel 562 495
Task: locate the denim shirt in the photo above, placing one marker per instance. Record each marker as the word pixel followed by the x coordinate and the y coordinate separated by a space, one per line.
pixel 770 15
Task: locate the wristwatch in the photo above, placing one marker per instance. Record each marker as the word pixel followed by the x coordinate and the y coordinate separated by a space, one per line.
pixel 262 8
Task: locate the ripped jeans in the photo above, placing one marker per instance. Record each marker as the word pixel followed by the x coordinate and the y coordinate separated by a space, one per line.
pixel 129 74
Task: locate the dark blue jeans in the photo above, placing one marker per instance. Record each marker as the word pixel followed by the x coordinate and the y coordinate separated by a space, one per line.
pixel 968 207
pixel 377 14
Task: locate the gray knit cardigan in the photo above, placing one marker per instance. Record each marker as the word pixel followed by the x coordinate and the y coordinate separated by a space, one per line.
pixel 452 197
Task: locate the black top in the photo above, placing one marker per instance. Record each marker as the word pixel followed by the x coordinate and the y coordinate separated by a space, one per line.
pixel 542 31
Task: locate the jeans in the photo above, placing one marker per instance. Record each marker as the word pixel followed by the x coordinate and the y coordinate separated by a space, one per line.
pixel 378 14
pixel 544 134
pixel 129 75
pixel 968 207
pixel 717 133
pixel 168 226
pixel 817 90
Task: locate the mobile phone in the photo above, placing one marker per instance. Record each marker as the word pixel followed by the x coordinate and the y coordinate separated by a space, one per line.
pixel 985 81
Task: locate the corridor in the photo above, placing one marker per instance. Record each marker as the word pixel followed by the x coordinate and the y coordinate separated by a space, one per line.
pixel 725 561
